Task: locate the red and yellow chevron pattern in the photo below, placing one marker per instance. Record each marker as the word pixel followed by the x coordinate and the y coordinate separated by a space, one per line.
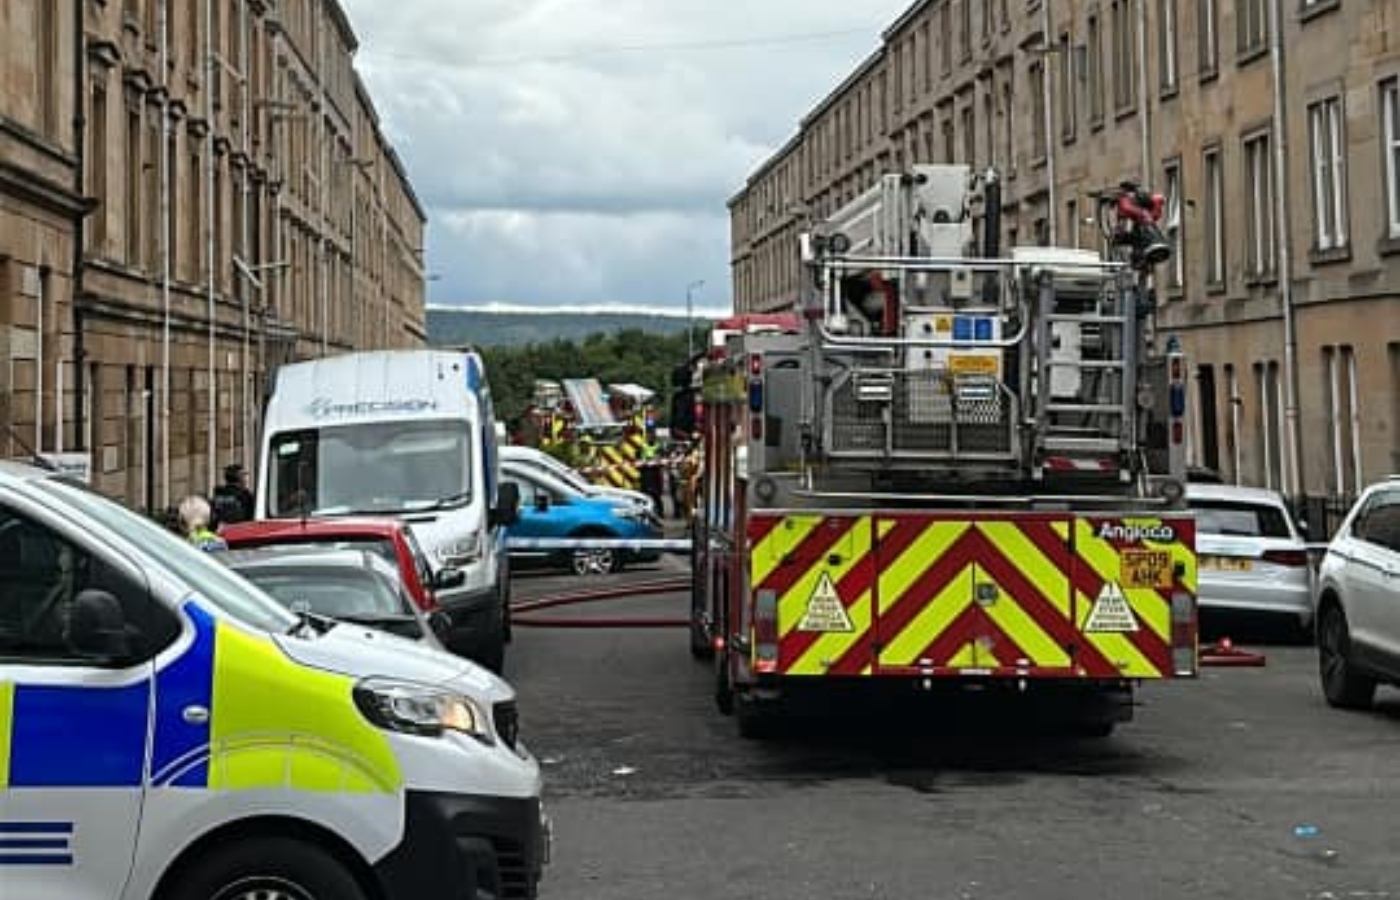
pixel 1023 595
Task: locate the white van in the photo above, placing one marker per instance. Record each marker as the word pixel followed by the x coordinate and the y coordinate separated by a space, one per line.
pixel 409 434
pixel 168 731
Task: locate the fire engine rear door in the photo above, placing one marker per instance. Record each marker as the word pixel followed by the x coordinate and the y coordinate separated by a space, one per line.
pixel 975 595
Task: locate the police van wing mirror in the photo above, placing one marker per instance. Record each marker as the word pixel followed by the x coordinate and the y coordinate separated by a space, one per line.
pixel 447 579
pixel 507 510
pixel 97 628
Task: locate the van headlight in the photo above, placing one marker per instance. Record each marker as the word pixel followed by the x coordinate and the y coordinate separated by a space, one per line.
pixel 463 552
pixel 421 709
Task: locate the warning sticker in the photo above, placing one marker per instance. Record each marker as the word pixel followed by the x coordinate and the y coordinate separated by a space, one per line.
pixel 825 611
pixel 1112 614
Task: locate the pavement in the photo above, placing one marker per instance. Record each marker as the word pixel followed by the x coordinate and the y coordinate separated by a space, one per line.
pixel 1242 784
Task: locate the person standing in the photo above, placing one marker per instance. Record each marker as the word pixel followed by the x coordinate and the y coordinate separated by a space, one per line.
pixel 233 502
pixel 195 517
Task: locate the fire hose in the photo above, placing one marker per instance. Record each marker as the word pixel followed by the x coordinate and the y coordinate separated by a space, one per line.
pixel 522 612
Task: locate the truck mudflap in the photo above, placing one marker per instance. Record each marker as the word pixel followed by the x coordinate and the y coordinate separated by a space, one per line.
pixel 997 595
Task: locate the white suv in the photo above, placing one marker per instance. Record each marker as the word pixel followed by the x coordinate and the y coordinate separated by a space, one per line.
pixel 1358 606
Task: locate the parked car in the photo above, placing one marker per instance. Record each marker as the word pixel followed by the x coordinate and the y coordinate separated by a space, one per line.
pixel 390 539
pixel 549 508
pixel 531 458
pixel 1358 600
pixel 1252 557
pixel 353 586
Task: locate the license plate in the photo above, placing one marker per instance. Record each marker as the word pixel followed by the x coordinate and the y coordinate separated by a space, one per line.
pixel 980 364
pixel 1227 563
pixel 1146 569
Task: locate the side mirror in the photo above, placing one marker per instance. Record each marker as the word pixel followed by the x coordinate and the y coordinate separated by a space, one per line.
pixel 507 511
pixel 447 579
pixel 97 628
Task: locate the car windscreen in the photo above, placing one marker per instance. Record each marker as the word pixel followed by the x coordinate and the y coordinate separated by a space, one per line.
pixel 334 593
pixel 1237 519
pixel 383 467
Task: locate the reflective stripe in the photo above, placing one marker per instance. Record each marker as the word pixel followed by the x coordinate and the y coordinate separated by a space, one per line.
pixel 7 706
pixel 277 724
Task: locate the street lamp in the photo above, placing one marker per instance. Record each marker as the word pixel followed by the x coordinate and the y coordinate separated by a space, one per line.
pixel 690 316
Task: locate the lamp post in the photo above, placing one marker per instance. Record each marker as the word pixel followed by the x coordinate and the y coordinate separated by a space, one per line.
pixel 690 316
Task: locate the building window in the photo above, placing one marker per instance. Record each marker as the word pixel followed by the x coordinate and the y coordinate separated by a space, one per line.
pixel 1124 57
pixel 1172 226
pixel 97 167
pixel 945 28
pixel 989 124
pixel 1206 24
pixel 1008 111
pixel 47 68
pixel 1037 86
pixel 1072 223
pixel 1259 206
pixel 1252 26
pixel 965 30
pixel 172 163
pixel 133 187
pixel 1214 217
pixel 969 136
pixel 928 58
pixel 1166 31
pixel 1069 106
pixel 1390 113
pixel 949 142
pixel 1328 174
pixel 1094 44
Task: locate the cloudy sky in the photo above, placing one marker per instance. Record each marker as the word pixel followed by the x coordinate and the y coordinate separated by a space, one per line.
pixel 580 152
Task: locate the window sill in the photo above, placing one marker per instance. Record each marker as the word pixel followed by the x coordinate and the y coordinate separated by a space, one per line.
pixel 1266 280
pixel 1250 54
pixel 1169 92
pixel 1126 112
pixel 1209 74
pixel 1320 257
pixel 1309 11
pixel 1215 288
pixel 1174 293
pixel 1096 124
pixel 1388 246
pixel 1068 139
pixel 1038 162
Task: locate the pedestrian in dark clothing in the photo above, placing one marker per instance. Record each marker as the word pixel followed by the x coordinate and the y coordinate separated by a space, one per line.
pixel 233 502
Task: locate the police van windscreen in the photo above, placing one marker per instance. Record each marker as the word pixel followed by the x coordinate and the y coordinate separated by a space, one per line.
pixel 373 468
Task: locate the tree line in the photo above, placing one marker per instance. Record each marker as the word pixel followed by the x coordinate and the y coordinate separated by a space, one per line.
pixel 630 356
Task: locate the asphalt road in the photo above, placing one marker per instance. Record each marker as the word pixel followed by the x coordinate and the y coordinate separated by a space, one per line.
pixel 1242 785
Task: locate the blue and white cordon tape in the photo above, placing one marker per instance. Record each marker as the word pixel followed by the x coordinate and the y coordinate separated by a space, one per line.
pixel 573 544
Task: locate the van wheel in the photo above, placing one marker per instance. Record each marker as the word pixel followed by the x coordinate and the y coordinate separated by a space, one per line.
pixel 267 869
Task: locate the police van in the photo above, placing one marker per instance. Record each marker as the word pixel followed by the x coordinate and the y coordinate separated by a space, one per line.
pixel 169 732
pixel 412 434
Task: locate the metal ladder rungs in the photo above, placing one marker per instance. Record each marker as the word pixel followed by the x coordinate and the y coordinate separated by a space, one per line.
pixel 1108 409
pixel 1094 364
pixel 1087 320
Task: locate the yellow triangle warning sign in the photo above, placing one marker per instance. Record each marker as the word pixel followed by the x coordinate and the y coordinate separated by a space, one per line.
pixel 825 611
pixel 1112 614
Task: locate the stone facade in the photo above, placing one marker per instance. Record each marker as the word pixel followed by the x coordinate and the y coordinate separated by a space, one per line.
pixel 192 192
pixel 1178 94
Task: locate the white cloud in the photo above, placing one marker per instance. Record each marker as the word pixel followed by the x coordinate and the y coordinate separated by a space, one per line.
pixel 565 158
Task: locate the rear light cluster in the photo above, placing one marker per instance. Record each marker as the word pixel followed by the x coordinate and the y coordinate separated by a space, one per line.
pixel 1294 559
pixel 1184 630
pixel 765 632
pixel 756 396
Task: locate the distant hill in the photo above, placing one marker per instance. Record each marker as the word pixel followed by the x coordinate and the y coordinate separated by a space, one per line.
pixel 482 328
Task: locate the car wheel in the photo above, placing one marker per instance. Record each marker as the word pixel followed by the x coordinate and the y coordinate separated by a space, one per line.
pixel 1342 685
pixel 267 869
pixel 594 562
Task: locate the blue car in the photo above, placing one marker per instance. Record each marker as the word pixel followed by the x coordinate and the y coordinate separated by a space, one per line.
pixel 551 508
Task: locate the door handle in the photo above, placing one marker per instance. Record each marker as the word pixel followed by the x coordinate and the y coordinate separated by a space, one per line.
pixel 195 715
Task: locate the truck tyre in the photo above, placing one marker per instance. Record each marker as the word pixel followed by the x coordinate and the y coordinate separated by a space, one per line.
pixel 700 646
pixel 272 868
pixel 699 642
pixel 1342 685
pixel 724 691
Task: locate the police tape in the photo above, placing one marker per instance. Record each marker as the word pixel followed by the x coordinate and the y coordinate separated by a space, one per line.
pixel 585 544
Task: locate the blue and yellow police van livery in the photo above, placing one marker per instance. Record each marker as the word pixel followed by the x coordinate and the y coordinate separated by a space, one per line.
pixel 168 732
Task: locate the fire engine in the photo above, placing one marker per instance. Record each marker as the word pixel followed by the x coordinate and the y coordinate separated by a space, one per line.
pixel 951 469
